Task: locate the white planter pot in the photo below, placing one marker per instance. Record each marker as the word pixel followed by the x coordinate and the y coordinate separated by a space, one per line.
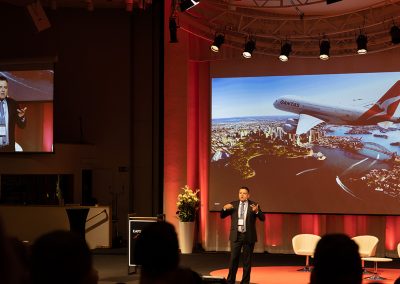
pixel 186 236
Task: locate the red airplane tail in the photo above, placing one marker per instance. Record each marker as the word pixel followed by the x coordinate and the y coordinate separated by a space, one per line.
pixel 385 107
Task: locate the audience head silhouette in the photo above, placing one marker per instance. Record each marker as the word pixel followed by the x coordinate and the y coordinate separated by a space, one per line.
pixel 11 269
pixel 62 257
pixel 157 248
pixel 157 251
pixel 332 250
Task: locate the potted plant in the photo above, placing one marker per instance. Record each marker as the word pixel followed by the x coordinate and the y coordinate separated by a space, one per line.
pixel 188 205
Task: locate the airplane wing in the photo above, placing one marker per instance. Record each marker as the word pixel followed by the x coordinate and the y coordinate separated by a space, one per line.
pixel 306 122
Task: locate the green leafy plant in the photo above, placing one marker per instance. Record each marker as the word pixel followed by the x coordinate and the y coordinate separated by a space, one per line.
pixel 188 204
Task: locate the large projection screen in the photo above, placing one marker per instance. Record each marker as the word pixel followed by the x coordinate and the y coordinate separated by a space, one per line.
pixel 308 143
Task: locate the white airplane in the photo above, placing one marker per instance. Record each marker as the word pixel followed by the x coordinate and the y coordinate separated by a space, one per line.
pixel 312 113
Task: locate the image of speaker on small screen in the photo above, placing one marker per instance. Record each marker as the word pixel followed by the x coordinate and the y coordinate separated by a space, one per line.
pixel 26 109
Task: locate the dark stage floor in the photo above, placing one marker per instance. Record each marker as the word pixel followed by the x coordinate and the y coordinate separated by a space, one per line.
pixel 112 264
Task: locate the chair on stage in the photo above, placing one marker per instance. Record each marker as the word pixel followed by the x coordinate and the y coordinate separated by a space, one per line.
pixel 366 247
pixel 304 244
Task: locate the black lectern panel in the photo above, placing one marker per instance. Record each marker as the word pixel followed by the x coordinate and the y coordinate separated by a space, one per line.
pixel 77 220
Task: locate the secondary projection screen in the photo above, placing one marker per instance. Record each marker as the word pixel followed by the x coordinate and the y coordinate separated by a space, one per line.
pixel 28 119
pixel 309 143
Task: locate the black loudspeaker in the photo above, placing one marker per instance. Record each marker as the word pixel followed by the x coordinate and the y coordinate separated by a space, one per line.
pixel 87 192
pixel 38 16
pixel 213 279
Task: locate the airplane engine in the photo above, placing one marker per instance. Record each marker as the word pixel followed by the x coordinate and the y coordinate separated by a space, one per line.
pixel 289 128
pixel 293 121
pixel 290 125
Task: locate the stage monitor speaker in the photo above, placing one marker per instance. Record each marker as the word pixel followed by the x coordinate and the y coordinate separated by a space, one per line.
pixel 38 16
pixel 213 279
pixel 135 227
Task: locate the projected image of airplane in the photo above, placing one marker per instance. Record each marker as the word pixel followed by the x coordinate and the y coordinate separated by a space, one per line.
pixel 312 113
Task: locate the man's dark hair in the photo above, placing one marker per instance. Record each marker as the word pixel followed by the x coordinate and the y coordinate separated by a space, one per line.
pixel 157 248
pixel 246 188
pixel 157 251
pixel 60 257
pixel 333 250
pixel 2 78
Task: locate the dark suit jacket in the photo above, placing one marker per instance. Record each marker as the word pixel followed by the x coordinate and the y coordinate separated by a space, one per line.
pixel 251 234
pixel 13 119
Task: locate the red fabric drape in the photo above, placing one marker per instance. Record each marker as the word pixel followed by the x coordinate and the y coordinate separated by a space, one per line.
pixel 198 126
pixel 47 127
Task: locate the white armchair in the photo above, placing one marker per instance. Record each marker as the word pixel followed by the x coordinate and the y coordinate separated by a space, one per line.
pixel 366 247
pixel 304 244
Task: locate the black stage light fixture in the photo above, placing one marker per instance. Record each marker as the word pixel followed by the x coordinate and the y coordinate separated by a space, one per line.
pixel 249 47
pixel 187 4
pixel 286 49
pixel 218 41
pixel 395 34
pixel 324 47
pixel 173 30
pixel 362 41
pixel 332 1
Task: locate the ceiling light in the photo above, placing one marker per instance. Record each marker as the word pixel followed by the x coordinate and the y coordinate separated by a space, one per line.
pixel 324 47
pixel 188 4
pixel 286 49
pixel 173 29
pixel 395 34
pixel 218 41
pixel 249 48
pixel 332 1
pixel 362 44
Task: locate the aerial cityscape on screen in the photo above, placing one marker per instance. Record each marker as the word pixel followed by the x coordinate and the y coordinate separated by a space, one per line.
pixel 310 138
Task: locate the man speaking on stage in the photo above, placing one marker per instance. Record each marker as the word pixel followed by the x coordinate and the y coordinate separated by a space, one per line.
pixel 244 213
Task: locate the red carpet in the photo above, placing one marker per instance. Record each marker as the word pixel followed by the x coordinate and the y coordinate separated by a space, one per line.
pixel 289 274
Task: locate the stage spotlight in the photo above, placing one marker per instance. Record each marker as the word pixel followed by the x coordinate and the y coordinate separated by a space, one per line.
pixel 218 41
pixel 362 44
pixel 249 47
pixel 395 34
pixel 173 30
pixel 188 4
pixel 324 47
pixel 286 49
pixel 332 1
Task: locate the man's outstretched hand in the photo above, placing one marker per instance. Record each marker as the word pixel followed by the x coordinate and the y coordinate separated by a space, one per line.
pixel 21 112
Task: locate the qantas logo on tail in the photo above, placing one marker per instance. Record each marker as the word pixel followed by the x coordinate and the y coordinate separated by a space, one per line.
pixel 384 108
